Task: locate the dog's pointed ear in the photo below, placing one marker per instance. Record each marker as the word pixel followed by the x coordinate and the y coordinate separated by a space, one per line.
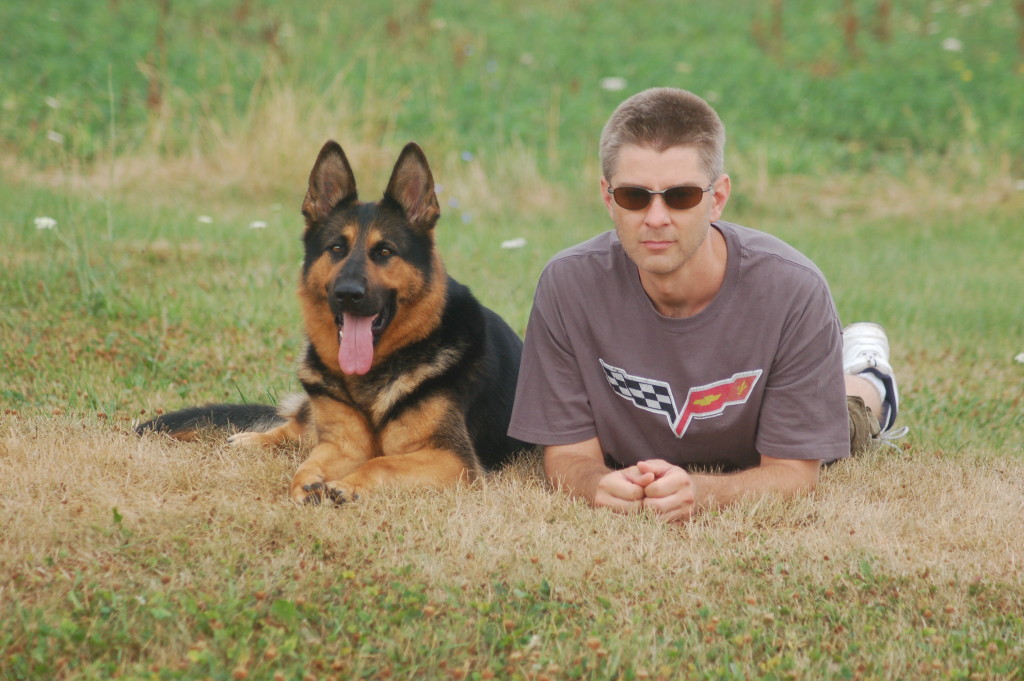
pixel 330 183
pixel 412 187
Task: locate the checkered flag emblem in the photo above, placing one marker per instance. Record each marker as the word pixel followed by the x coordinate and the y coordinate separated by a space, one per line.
pixel 646 393
pixel 702 402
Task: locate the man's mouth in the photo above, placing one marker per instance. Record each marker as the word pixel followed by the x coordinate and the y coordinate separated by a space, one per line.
pixel 656 245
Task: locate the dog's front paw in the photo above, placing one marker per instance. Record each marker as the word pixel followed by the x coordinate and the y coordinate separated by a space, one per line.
pixel 313 494
pixel 307 487
pixel 320 492
pixel 341 493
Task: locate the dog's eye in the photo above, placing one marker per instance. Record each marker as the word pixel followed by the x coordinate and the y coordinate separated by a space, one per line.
pixel 339 249
pixel 385 251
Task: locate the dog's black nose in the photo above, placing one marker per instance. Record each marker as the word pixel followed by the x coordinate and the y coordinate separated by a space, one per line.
pixel 350 292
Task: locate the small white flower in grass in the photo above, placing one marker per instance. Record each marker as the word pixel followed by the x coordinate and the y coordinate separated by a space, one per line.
pixel 205 219
pixel 55 137
pixel 467 218
pixel 45 223
pixel 257 224
pixel 512 244
pixel 467 156
pixel 952 45
pixel 438 188
pixel 53 102
pixel 613 84
pixel 1019 359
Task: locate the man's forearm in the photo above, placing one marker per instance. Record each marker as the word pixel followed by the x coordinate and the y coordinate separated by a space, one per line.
pixel 575 474
pixel 580 471
pixel 783 477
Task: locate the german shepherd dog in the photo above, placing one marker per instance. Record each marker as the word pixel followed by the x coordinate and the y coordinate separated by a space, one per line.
pixel 408 379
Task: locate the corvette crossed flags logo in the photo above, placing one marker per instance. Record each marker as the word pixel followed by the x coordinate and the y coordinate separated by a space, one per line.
pixel 701 402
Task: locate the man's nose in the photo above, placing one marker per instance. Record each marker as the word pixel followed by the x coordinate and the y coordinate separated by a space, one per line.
pixel 657 211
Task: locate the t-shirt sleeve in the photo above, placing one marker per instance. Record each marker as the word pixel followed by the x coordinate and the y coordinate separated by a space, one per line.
pixel 551 405
pixel 803 412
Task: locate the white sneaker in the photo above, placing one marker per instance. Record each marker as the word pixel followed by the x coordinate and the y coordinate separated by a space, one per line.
pixel 865 346
pixel 866 350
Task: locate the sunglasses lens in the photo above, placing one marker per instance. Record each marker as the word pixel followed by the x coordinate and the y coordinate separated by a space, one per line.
pixel 676 198
pixel 681 198
pixel 632 198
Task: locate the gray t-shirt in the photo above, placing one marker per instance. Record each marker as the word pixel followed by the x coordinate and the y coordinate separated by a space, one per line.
pixel 758 371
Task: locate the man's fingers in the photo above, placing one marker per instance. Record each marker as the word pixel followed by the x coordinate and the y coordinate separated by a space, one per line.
pixel 671 509
pixel 623 488
pixel 657 467
pixel 615 490
pixel 672 481
pixel 638 477
pixel 672 495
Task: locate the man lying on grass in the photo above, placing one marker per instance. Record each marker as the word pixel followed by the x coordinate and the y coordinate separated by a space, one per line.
pixel 679 342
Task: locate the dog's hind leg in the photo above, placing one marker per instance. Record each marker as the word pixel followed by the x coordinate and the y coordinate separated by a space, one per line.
pixel 290 431
pixel 295 411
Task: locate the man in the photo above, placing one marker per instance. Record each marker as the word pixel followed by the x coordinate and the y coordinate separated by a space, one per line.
pixel 681 362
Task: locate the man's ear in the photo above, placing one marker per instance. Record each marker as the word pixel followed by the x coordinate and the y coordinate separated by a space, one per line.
pixel 609 201
pixel 723 187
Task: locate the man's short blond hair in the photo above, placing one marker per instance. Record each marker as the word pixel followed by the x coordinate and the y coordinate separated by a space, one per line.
pixel 662 118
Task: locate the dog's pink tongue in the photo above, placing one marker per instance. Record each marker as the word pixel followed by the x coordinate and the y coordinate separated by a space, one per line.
pixel 356 352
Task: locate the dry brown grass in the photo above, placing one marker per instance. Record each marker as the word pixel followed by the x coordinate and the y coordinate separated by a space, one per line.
pixel 903 564
pixel 911 512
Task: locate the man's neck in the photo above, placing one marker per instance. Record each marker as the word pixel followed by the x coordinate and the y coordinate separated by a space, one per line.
pixel 690 289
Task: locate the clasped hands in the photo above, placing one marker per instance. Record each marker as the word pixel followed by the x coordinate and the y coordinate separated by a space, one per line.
pixel 665 489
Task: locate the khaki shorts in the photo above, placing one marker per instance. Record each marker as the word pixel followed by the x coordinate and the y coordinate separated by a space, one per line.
pixel 864 426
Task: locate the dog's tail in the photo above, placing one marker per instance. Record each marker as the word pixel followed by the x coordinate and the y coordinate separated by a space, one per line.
pixel 191 423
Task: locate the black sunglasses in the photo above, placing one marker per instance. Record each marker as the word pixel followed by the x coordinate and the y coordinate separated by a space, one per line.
pixel 677 198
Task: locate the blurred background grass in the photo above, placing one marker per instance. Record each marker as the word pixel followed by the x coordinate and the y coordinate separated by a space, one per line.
pixel 171 142
pixel 812 85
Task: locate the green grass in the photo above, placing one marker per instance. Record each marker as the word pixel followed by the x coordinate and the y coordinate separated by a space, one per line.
pixel 391 616
pixel 896 166
pixel 468 79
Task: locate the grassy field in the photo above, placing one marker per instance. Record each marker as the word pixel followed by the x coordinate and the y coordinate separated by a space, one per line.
pixel 169 144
